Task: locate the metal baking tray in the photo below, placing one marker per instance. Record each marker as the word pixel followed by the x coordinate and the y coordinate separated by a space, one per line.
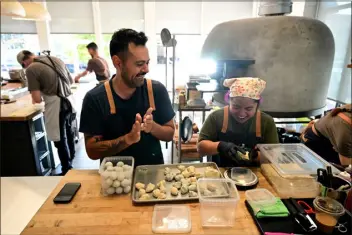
pixel 154 173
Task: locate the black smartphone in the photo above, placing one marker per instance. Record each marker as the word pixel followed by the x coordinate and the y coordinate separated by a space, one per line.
pixel 67 193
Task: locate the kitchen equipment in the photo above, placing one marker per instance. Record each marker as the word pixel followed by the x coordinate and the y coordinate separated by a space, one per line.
pixel 186 129
pixel 217 211
pixel 291 169
pixel 196 103
pixel 328 212
pixel 154 173
pixel 171 219
pixel 300 61
pixel 165 36
pixel 338 191
pixel 243 177
pixel 299 215
pixel 18 75
pixel 260 197
pixel 306 207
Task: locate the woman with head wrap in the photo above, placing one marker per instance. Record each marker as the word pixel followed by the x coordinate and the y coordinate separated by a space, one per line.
pixel 231 134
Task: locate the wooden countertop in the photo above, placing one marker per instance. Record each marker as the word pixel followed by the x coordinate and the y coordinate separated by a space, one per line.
pixel 92 213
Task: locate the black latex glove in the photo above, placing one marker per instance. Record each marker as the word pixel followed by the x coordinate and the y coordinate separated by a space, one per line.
pixel 231 151
pixel 253 156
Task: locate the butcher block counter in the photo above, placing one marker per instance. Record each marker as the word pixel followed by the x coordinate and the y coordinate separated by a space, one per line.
pixel 92 213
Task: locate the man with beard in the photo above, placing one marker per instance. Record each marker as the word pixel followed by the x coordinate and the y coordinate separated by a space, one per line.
pixel 128 115
pixel 97 64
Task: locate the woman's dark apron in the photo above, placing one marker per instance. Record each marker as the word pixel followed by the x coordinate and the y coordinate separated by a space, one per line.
pixel 147 151
pixel 321 145
pixel 250 141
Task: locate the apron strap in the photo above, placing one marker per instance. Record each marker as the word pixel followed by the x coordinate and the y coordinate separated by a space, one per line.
pixel 110 97
pixel 258 126
pixel 150 94
pixel 225 120
pixel 345 118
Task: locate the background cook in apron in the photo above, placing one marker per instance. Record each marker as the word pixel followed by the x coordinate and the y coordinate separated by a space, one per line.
pixel 222 132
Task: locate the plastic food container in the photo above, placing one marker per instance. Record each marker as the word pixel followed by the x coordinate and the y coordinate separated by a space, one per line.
pixel 292 169
pixel 115 179
pixel 327 213
pixel 171 219
pixel 218 201
pixel 260 197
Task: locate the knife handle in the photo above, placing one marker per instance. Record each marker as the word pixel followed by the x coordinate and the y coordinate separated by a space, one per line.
pixel 297 206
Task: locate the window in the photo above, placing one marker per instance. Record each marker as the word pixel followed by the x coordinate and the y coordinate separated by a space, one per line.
pixel 74 54
pixel 11 44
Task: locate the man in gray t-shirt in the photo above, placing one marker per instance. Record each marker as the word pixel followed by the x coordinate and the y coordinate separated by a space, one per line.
pixel 97 64
pixel 49 80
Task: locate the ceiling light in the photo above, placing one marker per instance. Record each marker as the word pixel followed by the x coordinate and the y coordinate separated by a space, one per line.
pixel 12 8
pixel 34 11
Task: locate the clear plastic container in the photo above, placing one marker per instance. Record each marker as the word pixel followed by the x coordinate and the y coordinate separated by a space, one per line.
pixel 327 213
pixel 116 181
pixel 241 175
pixel 171 219
pixel 292 169
pixel 260 197
pixel 218 201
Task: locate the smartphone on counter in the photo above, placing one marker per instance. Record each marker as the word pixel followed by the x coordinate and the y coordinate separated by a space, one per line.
pixel 67 193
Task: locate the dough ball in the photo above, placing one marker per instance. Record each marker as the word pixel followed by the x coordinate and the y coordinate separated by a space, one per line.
pixel 179 177
pixel 162 182
pixel 186 174
pixel 120 176
pixel 211 173
pixel 207 192
pixel 126 168
pixel 181 167
pixel 116 184
pixel 128 174
pixel 110 190
pixel 162 189
pixel 193 179
pixel 174 191
pixel 119 190
pixel 125 183
pixel 118 169
pixel 108 164
pixel 141 192
pixel 192 187
pixel 184 189
pixel 140 186
pixel 191 169
pixel 104 185
pixel 127 189
pixel 192 194
pixel 105 175
pixel 169 177
pixel 162 196
pixel 144 197
pixel 120 164
pixel 177 172
pixel 199 175
pixel 113 175
pixel 150 187
pixel 202 188
pixel 177 185
pixel 185 182
pixel 156 193
pixel 110 168
pixel 108 181
pixel 167 170
pixel 211 187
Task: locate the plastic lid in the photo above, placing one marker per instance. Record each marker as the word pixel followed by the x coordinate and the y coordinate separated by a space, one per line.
pixel 260 196
pixel 329 205
pixel 293 159
pixel 241 175
pixel 171 219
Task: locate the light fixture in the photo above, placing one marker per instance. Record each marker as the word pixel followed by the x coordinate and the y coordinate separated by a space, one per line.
pixel 34 11
pixel 12 8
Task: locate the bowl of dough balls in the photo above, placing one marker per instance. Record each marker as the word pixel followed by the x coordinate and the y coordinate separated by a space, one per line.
pixel 116 175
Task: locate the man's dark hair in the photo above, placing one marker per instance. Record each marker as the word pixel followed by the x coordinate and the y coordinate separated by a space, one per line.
pixel 122 38
pixel 93 46
pixel 26 55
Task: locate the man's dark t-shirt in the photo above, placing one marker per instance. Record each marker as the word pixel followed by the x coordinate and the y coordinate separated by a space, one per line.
pixel 97 120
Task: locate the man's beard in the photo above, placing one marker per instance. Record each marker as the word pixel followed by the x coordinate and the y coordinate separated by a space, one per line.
pixel 136 81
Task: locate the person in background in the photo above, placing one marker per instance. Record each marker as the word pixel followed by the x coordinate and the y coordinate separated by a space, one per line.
pixel 231 134
pixel 128 115
pixel 49 79
pixel 331 136
pixel 97 64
